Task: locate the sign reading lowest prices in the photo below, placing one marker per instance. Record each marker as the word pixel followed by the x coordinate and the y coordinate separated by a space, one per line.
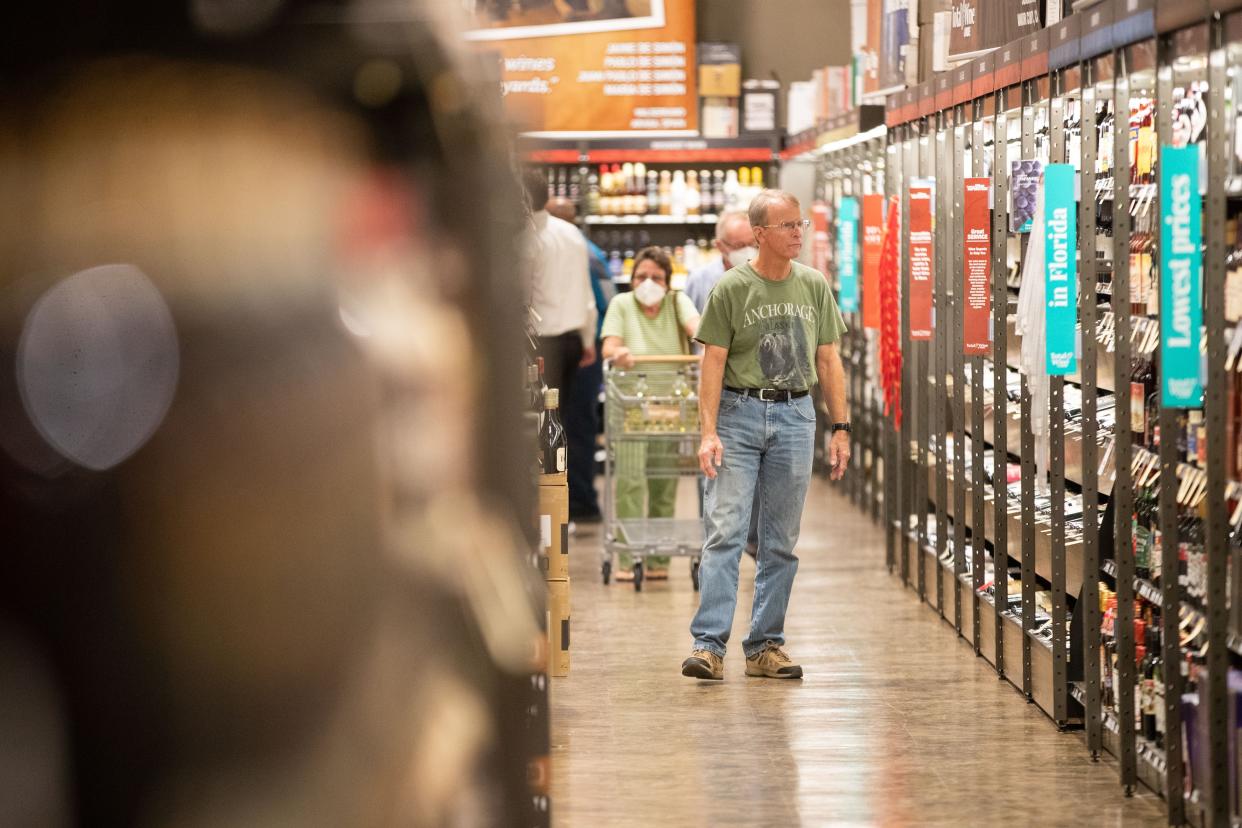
pixel 1181 274
pixel 1060 269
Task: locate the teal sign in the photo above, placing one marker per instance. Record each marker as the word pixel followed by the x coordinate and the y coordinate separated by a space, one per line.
pixel 1181 277
pixel 1060 269
pixel 847 253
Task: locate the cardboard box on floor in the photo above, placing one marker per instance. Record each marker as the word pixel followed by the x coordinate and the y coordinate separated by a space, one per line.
pixel 558 628
pixel 554 527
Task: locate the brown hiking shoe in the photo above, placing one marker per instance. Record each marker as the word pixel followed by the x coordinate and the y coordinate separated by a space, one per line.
pixel 772 662
pixel 703 664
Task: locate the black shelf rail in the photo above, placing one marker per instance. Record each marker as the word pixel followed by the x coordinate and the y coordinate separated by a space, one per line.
pixel 1100 63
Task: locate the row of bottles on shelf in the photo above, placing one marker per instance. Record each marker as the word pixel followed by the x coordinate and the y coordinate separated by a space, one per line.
pixel 633 189
pixel 1149 684
pixel 543 406
pixel 621 247
pixel 1191 433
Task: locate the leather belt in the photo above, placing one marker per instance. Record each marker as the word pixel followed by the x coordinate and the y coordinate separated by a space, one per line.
pixel 768 394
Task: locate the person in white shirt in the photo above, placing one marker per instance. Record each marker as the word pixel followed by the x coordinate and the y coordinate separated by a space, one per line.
pixel 561 296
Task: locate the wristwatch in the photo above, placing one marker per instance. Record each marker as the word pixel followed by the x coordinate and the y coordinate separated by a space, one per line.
pixel 841 427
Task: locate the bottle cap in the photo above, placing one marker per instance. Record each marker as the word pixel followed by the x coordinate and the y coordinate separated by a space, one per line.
pixel 552 398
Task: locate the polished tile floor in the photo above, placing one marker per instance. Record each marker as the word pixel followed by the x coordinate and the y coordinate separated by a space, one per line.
pixel 896 723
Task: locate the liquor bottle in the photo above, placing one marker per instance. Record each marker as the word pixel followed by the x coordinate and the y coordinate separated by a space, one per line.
pixel 677 195
pixel 666 193
pixel 743 187
pixel 639 191
pixel 575 188
pixel 552 434
pixel 730 189
pixel 627 179
pixel 616 271
pixel 1194 427
pixel 653 192
pixel 756 178
pixel 1147 672
pixel 534 394
pixel 718 190
pixel 707 202
pixel 593 194
pixel 1140 655
pixel 1138 401
pixel 562 183
pixel 1157 694
pixel 693 197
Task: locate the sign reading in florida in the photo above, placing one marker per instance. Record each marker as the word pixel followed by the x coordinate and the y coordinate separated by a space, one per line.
pixel 847 254
pixel 921 261
pixel 1060 269
pixel 872 242
pixel 977 231
pixel 1181 266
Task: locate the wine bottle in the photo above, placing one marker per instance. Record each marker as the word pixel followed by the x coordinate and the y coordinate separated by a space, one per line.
pixel 552 434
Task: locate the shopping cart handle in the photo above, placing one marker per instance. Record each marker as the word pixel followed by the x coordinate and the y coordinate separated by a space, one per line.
pixel 677 358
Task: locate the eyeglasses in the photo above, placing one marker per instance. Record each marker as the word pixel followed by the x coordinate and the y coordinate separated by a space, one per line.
pixel 790 226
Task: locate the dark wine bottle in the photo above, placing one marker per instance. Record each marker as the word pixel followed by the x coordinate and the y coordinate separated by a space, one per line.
pixel 552 434
pixel 1148 672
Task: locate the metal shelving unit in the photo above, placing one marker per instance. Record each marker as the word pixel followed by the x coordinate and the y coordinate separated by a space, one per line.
pixel 1066 96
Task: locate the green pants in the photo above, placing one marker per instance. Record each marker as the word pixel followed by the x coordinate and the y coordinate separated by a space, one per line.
pixel 635 490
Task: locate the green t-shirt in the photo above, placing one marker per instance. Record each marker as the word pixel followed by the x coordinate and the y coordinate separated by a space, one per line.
pixel 771 329
pixel 660 336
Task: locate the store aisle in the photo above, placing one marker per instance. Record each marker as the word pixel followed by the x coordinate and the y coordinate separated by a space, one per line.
pixel 897 722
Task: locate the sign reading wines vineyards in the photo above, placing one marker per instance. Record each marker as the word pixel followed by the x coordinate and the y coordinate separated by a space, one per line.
pixel 1181 273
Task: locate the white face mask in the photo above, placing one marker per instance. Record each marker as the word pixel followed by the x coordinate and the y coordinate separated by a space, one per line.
pixel 741 256
pixel 649 293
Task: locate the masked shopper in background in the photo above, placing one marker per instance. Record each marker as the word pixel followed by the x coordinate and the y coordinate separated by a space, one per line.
pixel 769 332
pixel 736 243
pixel 648 321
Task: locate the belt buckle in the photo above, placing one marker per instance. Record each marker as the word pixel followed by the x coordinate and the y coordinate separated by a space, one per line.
pixel 763 394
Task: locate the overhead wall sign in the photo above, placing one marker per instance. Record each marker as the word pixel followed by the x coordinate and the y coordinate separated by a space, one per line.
pixel 920 262
pixel 977 224
pixel 1181 274
pixel 1060 269
pixel 570 69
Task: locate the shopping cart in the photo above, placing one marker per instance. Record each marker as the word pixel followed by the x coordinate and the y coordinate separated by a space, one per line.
pixel 651 434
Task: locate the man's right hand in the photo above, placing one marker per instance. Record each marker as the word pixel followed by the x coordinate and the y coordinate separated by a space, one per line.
pixel 711 455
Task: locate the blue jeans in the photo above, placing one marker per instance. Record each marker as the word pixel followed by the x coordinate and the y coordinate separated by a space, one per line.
pixel 769 445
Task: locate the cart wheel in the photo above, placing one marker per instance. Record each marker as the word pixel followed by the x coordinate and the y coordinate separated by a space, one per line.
pixel 606 571
pixel 638 576
pixel 694 573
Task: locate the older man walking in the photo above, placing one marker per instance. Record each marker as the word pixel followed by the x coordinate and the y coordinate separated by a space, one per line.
pixel 769 333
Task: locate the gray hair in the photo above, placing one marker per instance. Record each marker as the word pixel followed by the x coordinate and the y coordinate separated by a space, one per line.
pixel 726 217
pixel 758 211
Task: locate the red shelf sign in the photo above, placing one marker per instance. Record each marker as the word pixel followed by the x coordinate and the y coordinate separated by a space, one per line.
pixel 978 273
pixel 920 263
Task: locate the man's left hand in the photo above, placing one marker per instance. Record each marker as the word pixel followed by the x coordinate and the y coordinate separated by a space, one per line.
pixel 839 454
pixel 588 357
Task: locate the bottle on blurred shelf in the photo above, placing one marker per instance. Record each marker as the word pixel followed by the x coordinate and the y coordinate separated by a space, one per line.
pixel 677 195
pixel 666 193
pixel 552 434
